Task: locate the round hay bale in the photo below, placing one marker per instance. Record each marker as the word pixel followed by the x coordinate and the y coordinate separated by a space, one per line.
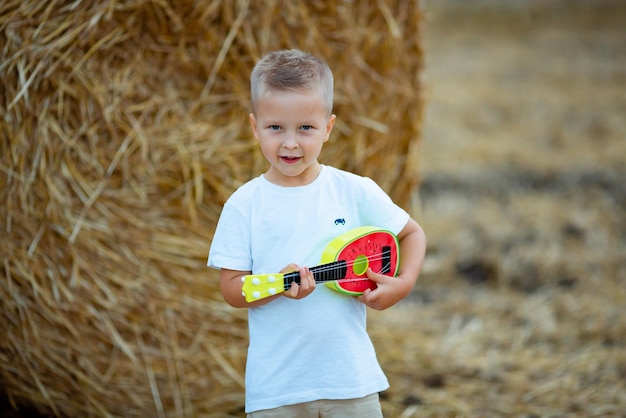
pixel 124 130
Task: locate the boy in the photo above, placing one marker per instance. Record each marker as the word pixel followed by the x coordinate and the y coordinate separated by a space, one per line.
pixel 309 352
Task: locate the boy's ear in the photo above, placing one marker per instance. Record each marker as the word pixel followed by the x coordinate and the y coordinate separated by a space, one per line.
pixel 329 126
pixel 253 125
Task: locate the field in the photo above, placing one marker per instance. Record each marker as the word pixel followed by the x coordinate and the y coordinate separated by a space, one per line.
pixel 520 310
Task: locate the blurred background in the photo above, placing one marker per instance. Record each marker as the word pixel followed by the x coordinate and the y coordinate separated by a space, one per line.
pixel 124 136
pixel 520 307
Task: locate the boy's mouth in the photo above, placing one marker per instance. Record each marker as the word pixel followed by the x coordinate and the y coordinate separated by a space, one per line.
pixel 289 160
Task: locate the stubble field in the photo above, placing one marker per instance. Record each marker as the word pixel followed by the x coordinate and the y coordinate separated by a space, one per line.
pixel 520 310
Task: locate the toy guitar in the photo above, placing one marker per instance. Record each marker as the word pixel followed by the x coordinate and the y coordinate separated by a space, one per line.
pixel 345 262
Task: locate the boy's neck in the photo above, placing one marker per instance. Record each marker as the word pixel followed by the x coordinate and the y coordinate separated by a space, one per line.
pixel 307 177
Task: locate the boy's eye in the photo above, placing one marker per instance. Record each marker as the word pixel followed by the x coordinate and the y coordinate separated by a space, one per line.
pixel 306 127
pixel 274 127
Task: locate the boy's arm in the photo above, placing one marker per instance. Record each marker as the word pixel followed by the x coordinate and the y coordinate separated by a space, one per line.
pixel 230 285
pixel 391 290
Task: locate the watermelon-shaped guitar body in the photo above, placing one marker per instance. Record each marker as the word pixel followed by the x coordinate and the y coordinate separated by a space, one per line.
pixel 345 262
pixel 362 248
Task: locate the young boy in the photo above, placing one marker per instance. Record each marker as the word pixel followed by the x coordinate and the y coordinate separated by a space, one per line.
pixel 309 352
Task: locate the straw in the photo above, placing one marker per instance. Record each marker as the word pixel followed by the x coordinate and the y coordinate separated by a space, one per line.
pixel 124 130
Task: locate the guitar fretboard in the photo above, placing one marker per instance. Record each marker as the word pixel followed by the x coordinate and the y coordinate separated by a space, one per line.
pixel 336 270
pixel 323 273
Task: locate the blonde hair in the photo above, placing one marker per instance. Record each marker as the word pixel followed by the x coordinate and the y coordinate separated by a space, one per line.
pixel 293 70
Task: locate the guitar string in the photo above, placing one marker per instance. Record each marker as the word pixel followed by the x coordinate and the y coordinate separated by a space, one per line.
pixel 329 267
pixel 336 265
pixel 333 266
pixel 329 281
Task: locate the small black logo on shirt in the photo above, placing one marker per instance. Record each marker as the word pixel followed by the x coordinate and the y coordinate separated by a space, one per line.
pixel 340 221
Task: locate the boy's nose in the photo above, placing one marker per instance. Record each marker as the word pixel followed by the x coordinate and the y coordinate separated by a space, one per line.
pixel 290 142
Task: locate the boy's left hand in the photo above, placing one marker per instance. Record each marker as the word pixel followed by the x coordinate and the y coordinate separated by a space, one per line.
pixel 390 291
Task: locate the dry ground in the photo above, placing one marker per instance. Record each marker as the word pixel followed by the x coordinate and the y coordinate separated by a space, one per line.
pixel 521 310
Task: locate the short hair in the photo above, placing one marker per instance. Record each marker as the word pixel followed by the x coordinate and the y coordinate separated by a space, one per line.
pixel 291 69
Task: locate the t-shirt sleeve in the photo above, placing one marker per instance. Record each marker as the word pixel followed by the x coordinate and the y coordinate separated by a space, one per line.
pixel 381 211
pixel 230 247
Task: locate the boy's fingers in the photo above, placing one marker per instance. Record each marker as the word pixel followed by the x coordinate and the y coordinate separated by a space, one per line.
pixel 307 278
pixel 373 276
pixel 292 292
pixel 306 286
pixel 365 296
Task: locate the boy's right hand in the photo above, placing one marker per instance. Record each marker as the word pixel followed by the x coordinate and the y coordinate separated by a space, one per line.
pixel 307 282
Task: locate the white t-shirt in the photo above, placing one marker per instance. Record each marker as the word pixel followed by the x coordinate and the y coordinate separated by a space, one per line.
pixel 316 347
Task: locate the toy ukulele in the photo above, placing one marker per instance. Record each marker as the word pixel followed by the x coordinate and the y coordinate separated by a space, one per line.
pixel 345 261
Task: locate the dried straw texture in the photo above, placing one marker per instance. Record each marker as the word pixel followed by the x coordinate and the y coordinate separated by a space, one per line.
pixel 124 130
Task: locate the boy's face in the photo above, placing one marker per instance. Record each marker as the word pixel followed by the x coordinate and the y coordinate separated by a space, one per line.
pixel 291 128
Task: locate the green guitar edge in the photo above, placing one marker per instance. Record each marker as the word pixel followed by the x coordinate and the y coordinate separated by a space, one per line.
pixel 336 246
